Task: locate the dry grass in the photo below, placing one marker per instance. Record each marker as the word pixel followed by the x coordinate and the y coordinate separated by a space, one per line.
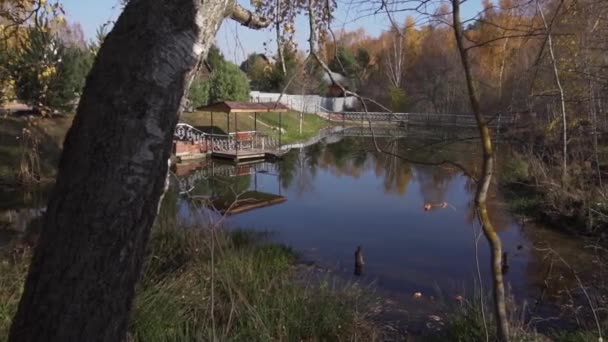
pixel 48 135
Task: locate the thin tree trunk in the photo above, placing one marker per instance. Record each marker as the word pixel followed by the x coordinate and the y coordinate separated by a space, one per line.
pixel 502 69
pixel 500 307
pixel 561 97
pixel 112 172
pixel 279 40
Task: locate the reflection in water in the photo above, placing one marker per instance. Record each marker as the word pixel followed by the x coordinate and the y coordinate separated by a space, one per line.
pixel 227 188
pixel 434 183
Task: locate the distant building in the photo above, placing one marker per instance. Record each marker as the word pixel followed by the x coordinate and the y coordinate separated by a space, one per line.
pixel 336 85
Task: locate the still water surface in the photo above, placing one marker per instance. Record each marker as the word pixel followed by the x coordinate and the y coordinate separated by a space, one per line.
pixel 340 195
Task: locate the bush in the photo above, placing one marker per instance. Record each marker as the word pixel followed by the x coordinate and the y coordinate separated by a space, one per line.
pixel 199 93
pixel 226 83
pixel 515 169
pixel 398 99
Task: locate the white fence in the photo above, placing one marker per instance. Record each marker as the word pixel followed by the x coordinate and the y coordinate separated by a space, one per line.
pixel 306 103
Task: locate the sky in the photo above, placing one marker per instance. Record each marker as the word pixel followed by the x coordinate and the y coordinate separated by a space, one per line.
pixel 235 41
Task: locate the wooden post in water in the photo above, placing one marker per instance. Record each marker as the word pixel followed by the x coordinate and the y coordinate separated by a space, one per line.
pixel 255 176
pixel 359 261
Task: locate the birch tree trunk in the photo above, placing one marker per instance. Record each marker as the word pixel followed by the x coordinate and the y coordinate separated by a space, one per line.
pixel 112 172
pixel 500 307
pixel 561 96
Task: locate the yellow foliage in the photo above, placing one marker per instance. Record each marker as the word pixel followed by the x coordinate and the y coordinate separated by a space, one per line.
pixel 17 17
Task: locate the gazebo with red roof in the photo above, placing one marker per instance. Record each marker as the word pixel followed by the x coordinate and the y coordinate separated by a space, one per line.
pixel 242 144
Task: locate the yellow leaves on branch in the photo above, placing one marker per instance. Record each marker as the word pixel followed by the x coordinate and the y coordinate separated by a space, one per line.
pixel 47 72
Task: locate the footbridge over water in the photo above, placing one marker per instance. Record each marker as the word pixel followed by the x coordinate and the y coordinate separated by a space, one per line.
pixel 415 119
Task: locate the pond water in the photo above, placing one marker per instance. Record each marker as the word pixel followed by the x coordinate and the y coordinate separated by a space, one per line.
pixel 326 199
pixel 338 194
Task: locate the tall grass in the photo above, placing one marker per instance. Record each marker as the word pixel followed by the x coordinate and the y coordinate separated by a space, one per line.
pixel 13 269
pixel 252 294
pixel 209 284
pixel 29 156
pixel 467 320
pixel 29 170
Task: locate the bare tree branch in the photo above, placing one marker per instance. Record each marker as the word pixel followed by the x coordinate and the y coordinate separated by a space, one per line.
pixel 248 18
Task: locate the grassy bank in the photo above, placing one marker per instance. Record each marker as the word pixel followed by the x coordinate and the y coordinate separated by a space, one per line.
pixel 465 321
pixel 534 190
pixel 252 294
pixel 267 123
pixel 311 124
pixel 199 285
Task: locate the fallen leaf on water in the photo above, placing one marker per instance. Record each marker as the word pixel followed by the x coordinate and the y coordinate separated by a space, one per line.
pixel 435 318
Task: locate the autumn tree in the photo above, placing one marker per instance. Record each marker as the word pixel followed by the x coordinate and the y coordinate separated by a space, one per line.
pixel 23 25
pixel 50 72
pixel 258 70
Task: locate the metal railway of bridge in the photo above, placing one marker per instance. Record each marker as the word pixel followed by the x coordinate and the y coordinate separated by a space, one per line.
pixel 236 146
pixel 415 119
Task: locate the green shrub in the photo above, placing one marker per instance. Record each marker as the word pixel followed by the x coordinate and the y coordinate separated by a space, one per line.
pixel 515 169
pixel 199 93
pixel 228 83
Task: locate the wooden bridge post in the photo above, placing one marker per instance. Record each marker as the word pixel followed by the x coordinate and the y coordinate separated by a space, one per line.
pixel 236 134
pixel 212 145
